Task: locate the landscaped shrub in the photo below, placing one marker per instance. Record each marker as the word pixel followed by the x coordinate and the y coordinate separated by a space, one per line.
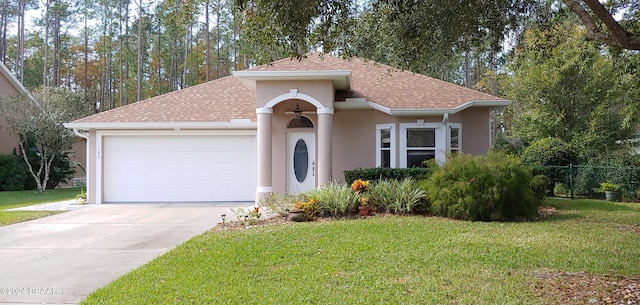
pixel 334 199
pixel 383 173
pixel 486 188
pixel 543 155
pixel 404 196
pixel 12 173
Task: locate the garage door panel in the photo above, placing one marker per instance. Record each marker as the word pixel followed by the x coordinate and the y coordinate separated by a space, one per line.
pixel 178 168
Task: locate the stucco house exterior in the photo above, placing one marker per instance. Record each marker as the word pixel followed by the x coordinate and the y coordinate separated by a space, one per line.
pixel 9 86
pixel 286 127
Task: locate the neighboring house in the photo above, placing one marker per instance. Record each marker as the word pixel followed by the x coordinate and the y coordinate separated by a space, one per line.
pixel 10 86
pixel 239 138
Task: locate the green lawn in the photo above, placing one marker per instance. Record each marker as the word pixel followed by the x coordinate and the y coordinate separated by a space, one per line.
pixel 11 217
pixel 9 200
pixel 388 260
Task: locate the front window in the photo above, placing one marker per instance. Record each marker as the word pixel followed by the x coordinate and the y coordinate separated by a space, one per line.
pixel 455 138
pixel 420 142
pixel 421 146
pixel 385 145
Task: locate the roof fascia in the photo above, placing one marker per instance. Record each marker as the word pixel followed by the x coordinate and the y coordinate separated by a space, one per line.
pixel 341 78
pixel 359 104
pixel 241 124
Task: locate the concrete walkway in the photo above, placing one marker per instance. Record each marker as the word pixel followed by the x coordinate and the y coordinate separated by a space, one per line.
pixel 61 259
pixel 68 205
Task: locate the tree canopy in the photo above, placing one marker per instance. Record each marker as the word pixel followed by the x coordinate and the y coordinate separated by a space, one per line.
pixel 37 122
pixel 566 87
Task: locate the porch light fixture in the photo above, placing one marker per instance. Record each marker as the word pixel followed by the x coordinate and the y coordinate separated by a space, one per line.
pixel 297 113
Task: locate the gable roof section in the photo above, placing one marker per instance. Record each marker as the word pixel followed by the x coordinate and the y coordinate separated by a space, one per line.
pixel 223 102
pixel 388 88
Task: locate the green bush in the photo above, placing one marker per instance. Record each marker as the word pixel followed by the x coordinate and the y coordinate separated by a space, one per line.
pixel 549 156
pixel 508 146
pixel 383 173
pixel 13 173
pixel 485 188
pixel 538 185
pixel 404 196
pixel 334 199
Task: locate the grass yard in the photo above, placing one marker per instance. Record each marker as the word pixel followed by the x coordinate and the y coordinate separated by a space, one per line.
pixel 390 260
pixel 11 217
pixel 10 200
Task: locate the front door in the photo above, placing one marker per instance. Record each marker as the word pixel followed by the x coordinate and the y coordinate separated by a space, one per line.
pixel 301 162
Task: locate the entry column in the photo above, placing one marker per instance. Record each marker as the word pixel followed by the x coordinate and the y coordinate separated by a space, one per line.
pixel 325 133
pixel 265 185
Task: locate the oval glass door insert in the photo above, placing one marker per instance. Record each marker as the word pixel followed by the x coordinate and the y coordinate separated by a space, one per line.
pixel 300 160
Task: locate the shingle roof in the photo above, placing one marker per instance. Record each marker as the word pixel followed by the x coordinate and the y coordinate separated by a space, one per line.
pixel 227 98
pixel 220 100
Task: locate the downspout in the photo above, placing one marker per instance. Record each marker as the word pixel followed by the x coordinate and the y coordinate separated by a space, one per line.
pixel 85 134
pixel 445 140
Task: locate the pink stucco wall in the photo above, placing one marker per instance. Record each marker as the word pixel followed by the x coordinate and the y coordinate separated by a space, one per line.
pixel 354 136
pixel 7 141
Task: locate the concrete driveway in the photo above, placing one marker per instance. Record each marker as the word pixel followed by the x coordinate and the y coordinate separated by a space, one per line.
pixel 63 258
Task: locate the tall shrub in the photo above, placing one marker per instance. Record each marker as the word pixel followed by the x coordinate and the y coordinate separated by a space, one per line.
pixel 546 157
pixel 486 188
pixel 13 173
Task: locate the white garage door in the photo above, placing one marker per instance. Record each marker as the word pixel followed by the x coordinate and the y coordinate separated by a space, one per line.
pixel 179 168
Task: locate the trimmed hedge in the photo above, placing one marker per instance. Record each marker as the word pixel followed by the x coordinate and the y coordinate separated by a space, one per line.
pixel 383 173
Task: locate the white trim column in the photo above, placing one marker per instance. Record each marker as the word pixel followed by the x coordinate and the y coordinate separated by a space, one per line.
pixel 325 132
pixel 264 149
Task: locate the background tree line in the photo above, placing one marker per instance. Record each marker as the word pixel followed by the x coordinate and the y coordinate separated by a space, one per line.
pixel 570 67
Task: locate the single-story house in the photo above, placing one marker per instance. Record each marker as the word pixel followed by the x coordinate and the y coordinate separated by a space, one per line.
pixel 285 127
pixel 10 86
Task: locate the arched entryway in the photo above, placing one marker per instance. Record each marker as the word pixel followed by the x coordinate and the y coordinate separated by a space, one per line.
pixel 310 149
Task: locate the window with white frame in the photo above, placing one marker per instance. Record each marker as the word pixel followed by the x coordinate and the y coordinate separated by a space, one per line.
pixel 418 143
pixel 455 138
pixel 385 145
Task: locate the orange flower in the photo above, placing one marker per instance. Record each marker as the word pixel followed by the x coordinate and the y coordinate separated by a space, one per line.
pixel 359 186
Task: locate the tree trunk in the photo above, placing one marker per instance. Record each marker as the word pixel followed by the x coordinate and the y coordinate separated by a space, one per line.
pixel 86 55
pixel 218 70
pixel 467 70
pixel 20 48
pixel 3 36
pixel 139 74
pixel 45 64
pixel 207 42
pixel 36 176
pixel 56 49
